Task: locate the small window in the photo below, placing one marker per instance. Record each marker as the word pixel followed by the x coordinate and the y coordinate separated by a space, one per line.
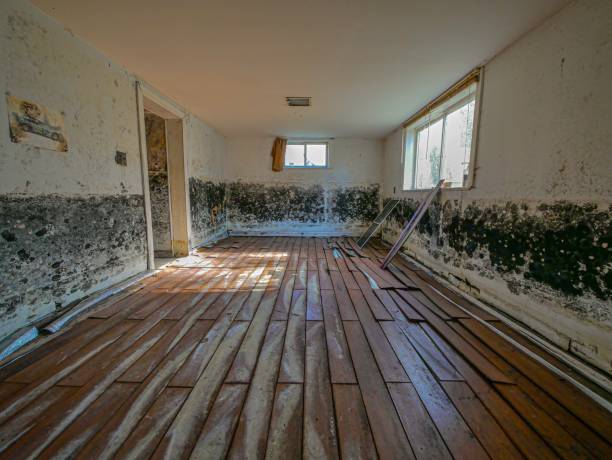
pixel 439 145
pixel 306 155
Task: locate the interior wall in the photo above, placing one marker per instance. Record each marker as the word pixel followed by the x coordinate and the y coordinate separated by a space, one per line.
pixel 532 237
pixel 72 222
pixel 157 162
pixel 206 156
pixel 339 200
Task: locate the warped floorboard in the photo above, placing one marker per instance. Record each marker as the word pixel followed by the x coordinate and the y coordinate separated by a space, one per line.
pixel 278 347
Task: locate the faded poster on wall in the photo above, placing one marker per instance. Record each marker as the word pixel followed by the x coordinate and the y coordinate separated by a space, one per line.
pixel 33 124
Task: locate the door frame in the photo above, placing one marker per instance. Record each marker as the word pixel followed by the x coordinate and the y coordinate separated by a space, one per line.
pixel 148 99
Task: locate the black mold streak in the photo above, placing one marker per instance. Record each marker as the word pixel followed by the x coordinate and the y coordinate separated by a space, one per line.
pixel 160 210
pixel 565 246
pixel 255 203
pixel 85 241
pixel 208 210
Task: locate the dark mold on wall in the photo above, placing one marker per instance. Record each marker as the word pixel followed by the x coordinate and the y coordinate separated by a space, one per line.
pixel 208 210
pixel 255 203
pixel 160 211
pixel 157 161
pixel 52 247
pixel 564 246
pixel 360 204
pixel 259 203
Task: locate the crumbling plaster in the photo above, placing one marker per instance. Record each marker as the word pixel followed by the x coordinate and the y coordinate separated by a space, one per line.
pixel 544 143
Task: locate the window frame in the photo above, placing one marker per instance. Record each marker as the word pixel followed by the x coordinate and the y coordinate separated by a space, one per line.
pixel 305 144
pixel 420 124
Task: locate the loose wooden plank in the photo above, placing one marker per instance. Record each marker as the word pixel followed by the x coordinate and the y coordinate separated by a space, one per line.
pixel 422 432
pixel 355 436
pixel 556 437
pixel 283 302
pixel 584 408
pixel 579 430
pixel 345 306
pixel 418 299
pixel 216 435
pixel 430 354
pixel 285 436
pixel 391 281
pixel 406 309
pixel 193 367
pixel 378 309
pixel 349 280
pixel 468 351
pixel 324 278
pixel 387 430
pixel 453 429
pixel 313 298
pixel 86 425
pixel 301 275
pixel 292 363
pixel 183 433
pixel 340 365
pixel 143 440
pixel 481 422
pixel 92 366
pixel 331 260
pixel 320 439
pixel 249 440
pixel 524 438
pixel 82 344
pixel 390 367
pixel 244 363
pixel 149 361
pixel 25 420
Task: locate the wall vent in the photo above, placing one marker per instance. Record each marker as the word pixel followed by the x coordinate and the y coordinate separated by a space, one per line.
pixel 298 101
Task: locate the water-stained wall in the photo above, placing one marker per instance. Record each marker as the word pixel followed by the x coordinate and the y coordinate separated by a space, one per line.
pixel 206 182
pixel 157 161
pixel 339 200
pixel 72 223
pixel 533 236
pixel 301 209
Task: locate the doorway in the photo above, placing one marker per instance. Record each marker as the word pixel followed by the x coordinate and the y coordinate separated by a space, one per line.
pixel 164 177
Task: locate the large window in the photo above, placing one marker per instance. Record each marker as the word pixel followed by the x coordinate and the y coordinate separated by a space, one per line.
pixel 306 155
pixel 438 146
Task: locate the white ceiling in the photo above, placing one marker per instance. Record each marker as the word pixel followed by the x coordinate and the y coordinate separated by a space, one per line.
pixel 368 64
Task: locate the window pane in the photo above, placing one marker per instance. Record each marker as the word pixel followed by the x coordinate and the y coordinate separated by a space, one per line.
pixel 315 154
pixel 294 155
pixel 457 145
pixel 429 149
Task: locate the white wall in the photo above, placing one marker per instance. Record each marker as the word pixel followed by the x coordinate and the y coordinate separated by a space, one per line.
pixel 81 197
pixel 545 136
pixel 351 161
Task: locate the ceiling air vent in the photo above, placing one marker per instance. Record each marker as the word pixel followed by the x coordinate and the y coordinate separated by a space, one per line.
pixel 298 101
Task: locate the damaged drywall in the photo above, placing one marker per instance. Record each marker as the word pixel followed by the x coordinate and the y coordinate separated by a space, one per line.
pixel 54 249
pixel 532 236
pixel 72 223
pixel 560 247
pixel 300 208
pixel 157 162
pixel 208 209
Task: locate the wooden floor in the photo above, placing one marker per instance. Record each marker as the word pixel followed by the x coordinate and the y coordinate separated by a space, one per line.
pixel 289 348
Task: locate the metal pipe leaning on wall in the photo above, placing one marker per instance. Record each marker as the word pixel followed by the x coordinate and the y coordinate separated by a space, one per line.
pixel 20 339
pixel 89 303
